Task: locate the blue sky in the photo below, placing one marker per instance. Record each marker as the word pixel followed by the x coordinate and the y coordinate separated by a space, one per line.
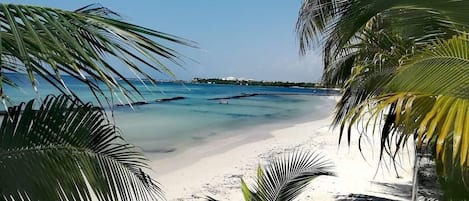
pixel 241 38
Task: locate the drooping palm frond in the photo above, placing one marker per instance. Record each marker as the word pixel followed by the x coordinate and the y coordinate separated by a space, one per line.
pixel 441 69
pixel 442 72
pixel 48 43
pixel 421 94
pixel 428 97
pixel 286 177
pixel 66 150
pixel 376 58
pixel 336 23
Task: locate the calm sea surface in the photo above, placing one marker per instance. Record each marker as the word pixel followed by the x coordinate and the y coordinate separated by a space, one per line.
pixel 169 126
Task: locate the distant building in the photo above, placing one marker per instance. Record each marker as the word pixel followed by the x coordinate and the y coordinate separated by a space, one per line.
pixel 229 78
pixel 236 79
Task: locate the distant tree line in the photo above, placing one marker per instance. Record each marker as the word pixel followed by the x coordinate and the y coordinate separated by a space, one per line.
pixel 258 83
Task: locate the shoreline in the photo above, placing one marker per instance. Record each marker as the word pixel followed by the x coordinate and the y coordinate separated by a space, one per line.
pixel 215 168
pixel 163 163
pixel 238 136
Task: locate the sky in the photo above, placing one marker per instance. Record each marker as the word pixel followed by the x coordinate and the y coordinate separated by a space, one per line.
pixel 253 39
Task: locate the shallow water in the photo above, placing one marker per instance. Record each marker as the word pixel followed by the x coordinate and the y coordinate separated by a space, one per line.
pixel 164 127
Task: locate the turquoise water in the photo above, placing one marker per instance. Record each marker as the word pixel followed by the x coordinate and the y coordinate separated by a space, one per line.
pixel 160 127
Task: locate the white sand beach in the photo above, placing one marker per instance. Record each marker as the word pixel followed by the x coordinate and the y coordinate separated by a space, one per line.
pixel 215 168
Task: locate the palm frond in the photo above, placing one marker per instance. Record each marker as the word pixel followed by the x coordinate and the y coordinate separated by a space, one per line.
pixel 376 59
pixel 435 121
pixel 48 43
pixel 286 177
pixel 441 69
pixel 336 23
pixel 419 91
pixel 65 150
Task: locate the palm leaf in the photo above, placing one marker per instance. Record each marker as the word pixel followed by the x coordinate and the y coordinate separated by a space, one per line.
pixel 441 72
pixel 286 177
pixel 419 92
pixel 336 23
pixel 441 69
pixel 46 42
pixel 375 60
pixel 65 150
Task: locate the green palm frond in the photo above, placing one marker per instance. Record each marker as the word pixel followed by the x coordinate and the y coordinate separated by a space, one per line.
pixel 286 177
pixel 394 117
pixel 376 59
pixel 441 72
pixel 371 47
pixel 426 97
pixel 403 65
pixel 441 69
pixel 66 150
pixel 48 43
pixel 337 23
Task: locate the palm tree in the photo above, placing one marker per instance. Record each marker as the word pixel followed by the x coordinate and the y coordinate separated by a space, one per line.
pixel 403 65
pixel 48 43
pixel 65 150
pixel 61 148
pixel 285 178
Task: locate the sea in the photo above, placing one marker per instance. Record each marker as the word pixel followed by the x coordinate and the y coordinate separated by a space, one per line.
pixel 179 115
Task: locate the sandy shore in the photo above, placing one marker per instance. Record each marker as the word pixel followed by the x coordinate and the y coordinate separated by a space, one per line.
pixel 214 169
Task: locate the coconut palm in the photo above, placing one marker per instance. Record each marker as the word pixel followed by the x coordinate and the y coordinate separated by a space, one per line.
pixel 48 43
pixel 403 65
pixel 61 148
pixel 285 177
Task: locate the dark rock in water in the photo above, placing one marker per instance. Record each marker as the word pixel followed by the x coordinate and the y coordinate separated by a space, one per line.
pixel 160 150
pixel 134 103
pixel 140 103
pixel 170 99
pixel 243 95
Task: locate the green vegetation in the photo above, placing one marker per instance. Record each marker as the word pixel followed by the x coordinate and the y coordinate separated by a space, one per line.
pixel 403 66
pixel 285 178
pixel 48 43
pixel 258 83
pixel 62 149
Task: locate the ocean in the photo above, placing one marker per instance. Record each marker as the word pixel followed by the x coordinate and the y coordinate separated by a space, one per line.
pixel 201 111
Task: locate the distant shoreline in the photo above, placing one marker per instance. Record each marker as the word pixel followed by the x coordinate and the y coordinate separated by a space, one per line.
pixel 235 81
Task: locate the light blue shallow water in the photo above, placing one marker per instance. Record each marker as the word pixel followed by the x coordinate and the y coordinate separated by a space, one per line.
pixel 175 125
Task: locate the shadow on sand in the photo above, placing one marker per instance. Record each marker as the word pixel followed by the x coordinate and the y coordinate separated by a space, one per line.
pixel 361 197
pixel 386 192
